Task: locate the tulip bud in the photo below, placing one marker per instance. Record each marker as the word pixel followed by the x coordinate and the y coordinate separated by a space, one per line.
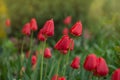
pixel 61 78
pixel 55 77
pixel 48 28
pixel 34 60
pixel 102 68
pixel 8 23
pixel 33 24
pixel 76 29
pixel 47 53
pixel 76 63
pixel 71 44
pixel 65 31
pixel 41 37
pixel 26 29
pixel 116 75
pixel 90 62
pixel 67 20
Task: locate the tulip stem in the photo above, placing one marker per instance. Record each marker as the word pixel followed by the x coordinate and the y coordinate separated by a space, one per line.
pixel 22 45
pixel 31 41
pixel 66 59
pixel 90 76
pixel 42 59
pixel 46 67
pixel 58 64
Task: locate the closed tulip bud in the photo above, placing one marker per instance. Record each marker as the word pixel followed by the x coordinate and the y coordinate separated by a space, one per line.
pixel 90 62
pixel 33 24
pixel 76 29
pixel 63 51
pixel 48 28
pixel 41 37
pixel 61 78
pixel 47 53
pixel 8 23
pixel 63 43
pixel 26 29
pixel 102 68
pixel 116 75
pixel 65 31
pixel 67 20
pixel 76 63
pixel 34 60
pixel 55 77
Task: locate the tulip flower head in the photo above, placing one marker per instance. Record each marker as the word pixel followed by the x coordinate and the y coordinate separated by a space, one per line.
pixel 47 53
pixel 33 24
pixel 76 29
pixel 116 75
pixel 8 23
pixel 76 62
pixel 61 78
pixel 67 20
pixel 90 62
pixel 26 29
pixel 65 31
pixel 48 28
pixel 41 37
pixel 55 77
pixel 34 60
pixel 102 68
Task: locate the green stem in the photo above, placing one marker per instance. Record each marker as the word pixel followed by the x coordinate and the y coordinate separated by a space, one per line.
pixel 90 76
pixel 66 59
pixel 42 59
pixel 22 45
pixel 31 41
pixel 58 64
pixel 46 68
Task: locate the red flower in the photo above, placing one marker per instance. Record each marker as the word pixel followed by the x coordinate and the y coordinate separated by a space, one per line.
pixel 48 28
pixel 76 63
pixel 47 53
pixel 8 23
pixel 61 78
pixel 76 29
pixel 90 62
pixel 116 75
pixel 65 31
pixel 33 24
pixel 34 60
pixel 63 43
pixel 26 29
pixel 41 37
pixel 102 68
pixel 67 20
pixel 55 77
pixel 64 51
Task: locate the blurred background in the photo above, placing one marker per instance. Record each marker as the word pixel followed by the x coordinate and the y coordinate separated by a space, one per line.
pixel 100 19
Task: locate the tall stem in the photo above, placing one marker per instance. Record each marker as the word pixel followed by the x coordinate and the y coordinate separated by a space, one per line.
pixel 42 59
pixel 66 59
pixel 58 64
pixel 46 68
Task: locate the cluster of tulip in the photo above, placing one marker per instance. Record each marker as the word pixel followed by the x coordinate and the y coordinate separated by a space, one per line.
pixel 96 65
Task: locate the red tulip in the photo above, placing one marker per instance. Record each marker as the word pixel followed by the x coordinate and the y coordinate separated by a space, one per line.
pixel 65 31
pixel 76 29
pixel 76 63
pixel 48 28
pixel 33 24
pixel 26 29
pixel 64 51
pixel 116 75
pixel 67 20
pixel 90 62
pixel 34 60
pixel 41 37
pixel 47 53
pixel 55 77
pixel 61 78
pixel 102 68
pixel 8 23
pixel 63 43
